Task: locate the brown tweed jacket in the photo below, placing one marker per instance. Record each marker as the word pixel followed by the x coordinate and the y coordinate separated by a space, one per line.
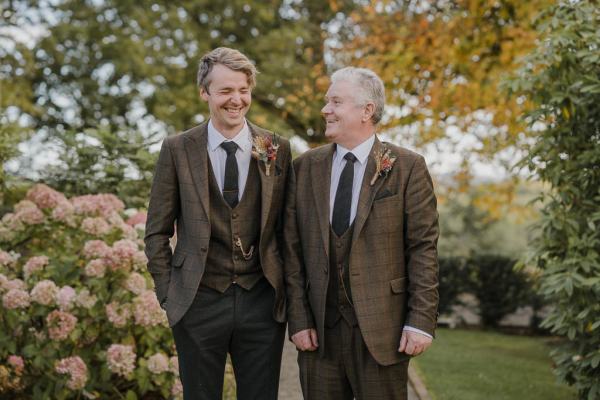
pixel 393 260
pixel 180 197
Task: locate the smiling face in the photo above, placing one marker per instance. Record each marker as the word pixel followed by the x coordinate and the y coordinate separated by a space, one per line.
pixel 346 120
pixel 229 97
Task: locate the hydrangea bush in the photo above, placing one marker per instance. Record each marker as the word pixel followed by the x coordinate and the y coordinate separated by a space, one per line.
pixel 78 314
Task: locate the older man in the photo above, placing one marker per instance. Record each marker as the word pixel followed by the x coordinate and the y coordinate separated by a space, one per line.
pixel 361 260
pixel 223 184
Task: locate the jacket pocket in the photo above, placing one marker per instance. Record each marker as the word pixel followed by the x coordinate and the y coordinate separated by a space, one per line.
pixel 398 285
pixel 177 259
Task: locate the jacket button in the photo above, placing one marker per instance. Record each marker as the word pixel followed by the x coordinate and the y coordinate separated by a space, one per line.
pixel 234 215
pixel 236 258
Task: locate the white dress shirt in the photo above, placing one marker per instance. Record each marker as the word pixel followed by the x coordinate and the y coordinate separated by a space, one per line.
pixel 361 152
pixel 218 155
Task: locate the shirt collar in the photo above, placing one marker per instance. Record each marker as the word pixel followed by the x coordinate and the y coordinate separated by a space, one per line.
pixel 242 139
pixel 361 152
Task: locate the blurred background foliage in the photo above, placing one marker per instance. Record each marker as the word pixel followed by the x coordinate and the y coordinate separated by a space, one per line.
pixel 88 90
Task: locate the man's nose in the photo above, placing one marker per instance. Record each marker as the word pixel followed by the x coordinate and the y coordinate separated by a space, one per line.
pixel 236 97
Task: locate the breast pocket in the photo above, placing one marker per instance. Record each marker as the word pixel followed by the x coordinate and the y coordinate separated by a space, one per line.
pixel 386 213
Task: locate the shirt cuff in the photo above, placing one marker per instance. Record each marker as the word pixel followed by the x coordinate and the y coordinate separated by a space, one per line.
pixel 410 328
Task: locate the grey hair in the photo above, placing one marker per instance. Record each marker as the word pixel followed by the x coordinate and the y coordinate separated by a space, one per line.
pixel 232 59
pixel 371 88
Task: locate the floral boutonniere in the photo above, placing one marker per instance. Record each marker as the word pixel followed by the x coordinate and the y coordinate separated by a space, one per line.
pixel 264 148
pixel 384 160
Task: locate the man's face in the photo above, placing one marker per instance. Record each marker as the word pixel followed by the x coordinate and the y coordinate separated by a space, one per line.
pixel 342 115
pixel 229 97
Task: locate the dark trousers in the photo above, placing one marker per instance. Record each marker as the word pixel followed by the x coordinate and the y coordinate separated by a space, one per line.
pixel 348 370
pixel 238 322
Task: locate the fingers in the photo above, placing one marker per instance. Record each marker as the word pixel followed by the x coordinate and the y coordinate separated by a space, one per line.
pixel 403 341
pixel 304 340
pixel 413 343
pixel 314 339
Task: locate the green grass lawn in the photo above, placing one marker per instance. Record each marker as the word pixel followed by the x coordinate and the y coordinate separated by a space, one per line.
pixel 477 365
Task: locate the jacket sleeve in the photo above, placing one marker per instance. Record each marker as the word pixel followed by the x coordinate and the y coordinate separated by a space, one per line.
pixel 420 246
pixel 163 211
pixel 299 313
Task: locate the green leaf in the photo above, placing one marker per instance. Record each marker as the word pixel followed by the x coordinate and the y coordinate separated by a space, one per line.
pixel 131 395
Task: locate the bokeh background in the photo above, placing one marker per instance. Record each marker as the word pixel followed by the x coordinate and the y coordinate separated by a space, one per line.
pixel 502 97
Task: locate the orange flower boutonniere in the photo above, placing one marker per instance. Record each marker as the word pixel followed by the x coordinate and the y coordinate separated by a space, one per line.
pixel 264 148
pixel 384 161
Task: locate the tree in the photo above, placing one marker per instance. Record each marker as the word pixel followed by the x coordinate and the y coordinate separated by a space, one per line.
pixel 561 77
pixel 132 65
pixel 442 62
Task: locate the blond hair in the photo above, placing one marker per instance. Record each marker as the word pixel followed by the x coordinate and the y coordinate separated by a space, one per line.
pixel 231 59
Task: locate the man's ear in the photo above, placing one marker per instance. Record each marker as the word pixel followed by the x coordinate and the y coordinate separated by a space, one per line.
pixel 368 112
pixel 203 94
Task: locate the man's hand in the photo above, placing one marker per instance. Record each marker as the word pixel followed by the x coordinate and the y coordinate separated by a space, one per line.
pixel 413 343
pixel 306 340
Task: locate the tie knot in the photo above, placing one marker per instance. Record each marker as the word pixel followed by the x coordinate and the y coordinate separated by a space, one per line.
pixel 350 157
pixel 230 147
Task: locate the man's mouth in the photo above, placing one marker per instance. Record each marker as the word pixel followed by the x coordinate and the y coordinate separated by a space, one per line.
pixel 234 111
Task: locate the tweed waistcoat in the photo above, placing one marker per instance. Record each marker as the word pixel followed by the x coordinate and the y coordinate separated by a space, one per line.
pixel 226 264
pixel 339 294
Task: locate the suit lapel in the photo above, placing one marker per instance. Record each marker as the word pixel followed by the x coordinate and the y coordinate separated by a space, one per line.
pixel 266 183
pixel 197 155
pixel 367 192
pixel 320 170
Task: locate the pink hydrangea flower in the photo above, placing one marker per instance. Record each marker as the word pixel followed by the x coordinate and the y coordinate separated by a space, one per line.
pixel 64 212
pixel 121 359
pixel 97 204
pixel 124 252
pixel 177 388
pixel 65 298
pixel 85 299
pixel 124 249
pixel 14 284
pixel 44 292
pixel 15 298
pixel 128 232
pixel 138 218
pixel 12 222
pixel 95 268
pixel 34 264
pixel 5 259
pixel 17 363
pixel 95 226
pixel 76 369
pixel 60 324
pixel 24 205
pixel 27 212
pixel 147 311
pixel 174 365
pixel 44 196
pixel 136 283
pixel 96 248
pixel 118 314
pixel 8 259
pixel 158 363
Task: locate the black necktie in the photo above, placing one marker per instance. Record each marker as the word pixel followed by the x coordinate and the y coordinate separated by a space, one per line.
pixel 343 197
pixel 230 185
